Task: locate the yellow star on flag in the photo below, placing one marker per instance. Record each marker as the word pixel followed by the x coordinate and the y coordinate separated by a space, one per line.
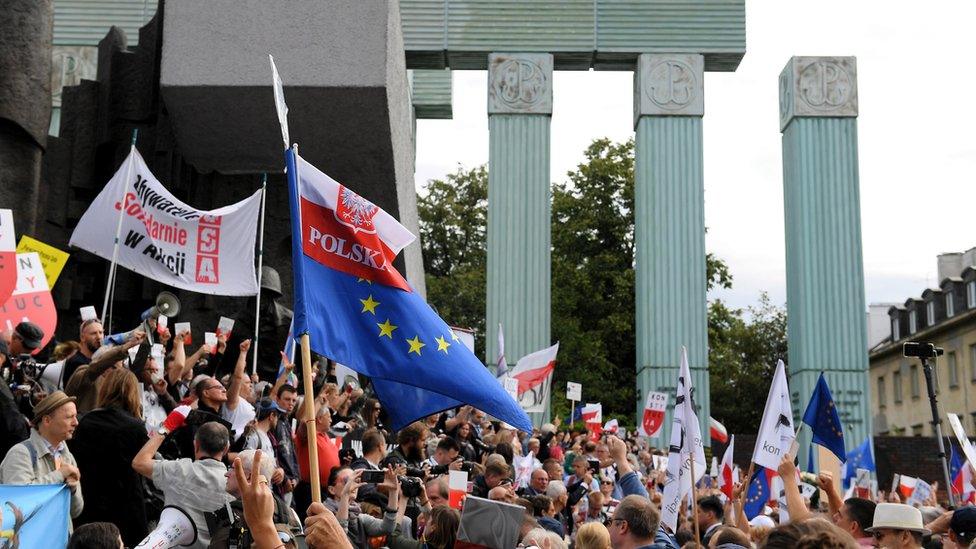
pixel 442 344
pixel 366 280
pixel 386 329
pixel 369 304
pixel 415 345
pixel 454 336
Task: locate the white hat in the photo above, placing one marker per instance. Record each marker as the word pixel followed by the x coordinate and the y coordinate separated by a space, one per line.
pixel 762 521
pixel 897 516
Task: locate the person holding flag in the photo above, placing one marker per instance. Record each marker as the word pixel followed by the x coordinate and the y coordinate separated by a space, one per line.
pixel 686 456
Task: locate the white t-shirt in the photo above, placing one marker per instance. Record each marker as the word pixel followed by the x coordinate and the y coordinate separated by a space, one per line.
pixel 258 440
pixel 238 417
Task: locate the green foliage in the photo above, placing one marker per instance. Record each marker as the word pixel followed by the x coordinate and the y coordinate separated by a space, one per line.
pixel 593 287
pixel 742 357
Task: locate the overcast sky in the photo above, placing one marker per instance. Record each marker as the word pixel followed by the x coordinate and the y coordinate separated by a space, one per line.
pixel 917 151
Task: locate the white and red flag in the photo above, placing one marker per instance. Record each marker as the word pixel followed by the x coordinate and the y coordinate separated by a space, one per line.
pixel 592 413
pixel 501 367
pixel 727 473
pixel 717 431
pixel 8 255
pixel 653 417
pixel 906 486
pixel 31 299
pixel 611 426
pixel 534 375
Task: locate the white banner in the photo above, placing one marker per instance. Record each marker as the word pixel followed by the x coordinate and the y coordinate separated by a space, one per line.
pixel 166 240
pixel 685 448
pixel 776 432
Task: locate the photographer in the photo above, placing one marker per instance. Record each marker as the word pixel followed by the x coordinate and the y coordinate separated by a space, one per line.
pixel 13 424
pixel 445 457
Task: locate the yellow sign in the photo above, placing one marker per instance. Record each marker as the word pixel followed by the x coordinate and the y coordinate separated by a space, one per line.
pixel 52 259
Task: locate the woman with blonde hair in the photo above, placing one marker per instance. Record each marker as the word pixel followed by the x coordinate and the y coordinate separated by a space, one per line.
pixel 592 535
pixel 104 443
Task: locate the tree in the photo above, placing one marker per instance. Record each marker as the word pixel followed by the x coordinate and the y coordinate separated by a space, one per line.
pixel 742 357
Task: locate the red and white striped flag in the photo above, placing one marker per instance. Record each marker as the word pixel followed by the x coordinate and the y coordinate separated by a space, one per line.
pixel 727 473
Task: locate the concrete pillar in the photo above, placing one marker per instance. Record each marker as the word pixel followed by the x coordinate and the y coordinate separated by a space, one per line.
pixel 826 323
pixel 669 231
pixel 519 113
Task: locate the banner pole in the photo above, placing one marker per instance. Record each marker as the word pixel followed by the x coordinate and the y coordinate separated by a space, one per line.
pixel 313 455
pixel 694 499
pixel 257 307
pixel 118 231
pixel 572 414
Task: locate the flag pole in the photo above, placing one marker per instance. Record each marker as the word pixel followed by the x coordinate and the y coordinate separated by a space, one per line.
pixel 694 498
pixel 313 455
pixel 257 307
pixel 110 283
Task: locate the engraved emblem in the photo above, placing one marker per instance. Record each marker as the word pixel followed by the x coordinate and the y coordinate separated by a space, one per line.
pixel 671 84
pixel 825 85
pixel 519 83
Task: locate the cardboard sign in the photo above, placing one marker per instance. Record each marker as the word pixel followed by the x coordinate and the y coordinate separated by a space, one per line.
pixel 88 313
pixel 490 523
pixel 457 484
pixel 52 259
pixel 181 327
pixel 574 391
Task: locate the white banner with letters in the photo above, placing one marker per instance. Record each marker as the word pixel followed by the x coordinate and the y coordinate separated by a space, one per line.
pixel 166 240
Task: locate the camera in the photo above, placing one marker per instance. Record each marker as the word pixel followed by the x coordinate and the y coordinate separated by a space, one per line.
pixel 482 447
pixel 437 470
pixel 415 472
pixel 410 486
pixel 921 350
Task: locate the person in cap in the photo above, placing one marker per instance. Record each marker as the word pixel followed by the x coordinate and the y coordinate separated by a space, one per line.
pixel 197 485
pixel 958 526
pixel 44 457
pixel 897 526
pixel 25 338
pixel 260 436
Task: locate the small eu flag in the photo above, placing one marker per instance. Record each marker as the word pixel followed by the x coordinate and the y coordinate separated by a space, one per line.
pixel 821 415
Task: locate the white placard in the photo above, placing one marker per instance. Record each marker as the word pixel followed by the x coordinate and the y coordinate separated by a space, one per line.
pixel 88 313
pixel 574 391
pixel 225 326
pixel 181 327
pixel 967 446
pixel 210 339
pixel 162 322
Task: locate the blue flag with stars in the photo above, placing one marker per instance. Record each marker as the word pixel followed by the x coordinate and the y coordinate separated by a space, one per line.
pixel 359 310
pixel 858 458
pixel 758 493
pixel 821 415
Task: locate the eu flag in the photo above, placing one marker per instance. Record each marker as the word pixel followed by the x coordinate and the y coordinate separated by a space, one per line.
pixel 758 493
pixel 859 458
pixel 821 415
pixel 35 516
pixel 358 310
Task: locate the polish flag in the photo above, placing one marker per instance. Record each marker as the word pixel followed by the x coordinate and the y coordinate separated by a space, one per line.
pixel 8 255
pixel 501 368
pixel 457 486
pixel 727 473
pixel 611 426
pixel 592 415
pixel 717 431
pixel 906 485
pixel 534 375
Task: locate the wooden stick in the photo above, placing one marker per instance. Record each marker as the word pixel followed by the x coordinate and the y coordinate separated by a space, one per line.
pixel 313 454
pixel 694 499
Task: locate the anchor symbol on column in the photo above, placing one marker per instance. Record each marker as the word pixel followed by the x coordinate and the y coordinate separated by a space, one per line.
pixel 671 84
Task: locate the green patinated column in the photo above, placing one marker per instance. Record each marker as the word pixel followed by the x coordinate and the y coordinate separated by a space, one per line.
pixel 826 323
pixel 519 113
pixel 669 228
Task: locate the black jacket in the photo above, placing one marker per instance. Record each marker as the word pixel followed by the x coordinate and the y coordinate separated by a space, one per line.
pixel 104 444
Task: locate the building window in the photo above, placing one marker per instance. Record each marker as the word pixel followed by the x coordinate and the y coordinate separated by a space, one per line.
pixel 953 366
pixel 950 306
pixel 971 294
pixel 972 363
pixel 895 332
pixel 912 324
pixel 881 392
pixel 930 313
pixel 917 429
pixel 914 381
pixel 896 386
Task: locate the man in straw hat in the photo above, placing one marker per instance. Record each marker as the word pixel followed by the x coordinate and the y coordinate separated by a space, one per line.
pixel 897 526
pixel 44 457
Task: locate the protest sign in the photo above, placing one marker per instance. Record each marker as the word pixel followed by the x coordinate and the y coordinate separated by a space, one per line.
pixel 183 327
pixel 31 299
pixel 52 259
pixel 8 255
pixel 88 313
pixel 653 417
pixel 574 391
pixel 171 242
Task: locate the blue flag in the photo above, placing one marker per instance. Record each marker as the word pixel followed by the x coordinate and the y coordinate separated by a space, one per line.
pixel 358 310
pixel 858 458
pixel 758 493
pixel 36 516
pixel 821 415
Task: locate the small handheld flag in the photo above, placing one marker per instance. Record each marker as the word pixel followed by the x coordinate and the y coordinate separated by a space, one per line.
pixel 821 415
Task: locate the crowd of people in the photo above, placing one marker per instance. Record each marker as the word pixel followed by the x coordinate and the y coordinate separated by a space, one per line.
pixel 133 425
